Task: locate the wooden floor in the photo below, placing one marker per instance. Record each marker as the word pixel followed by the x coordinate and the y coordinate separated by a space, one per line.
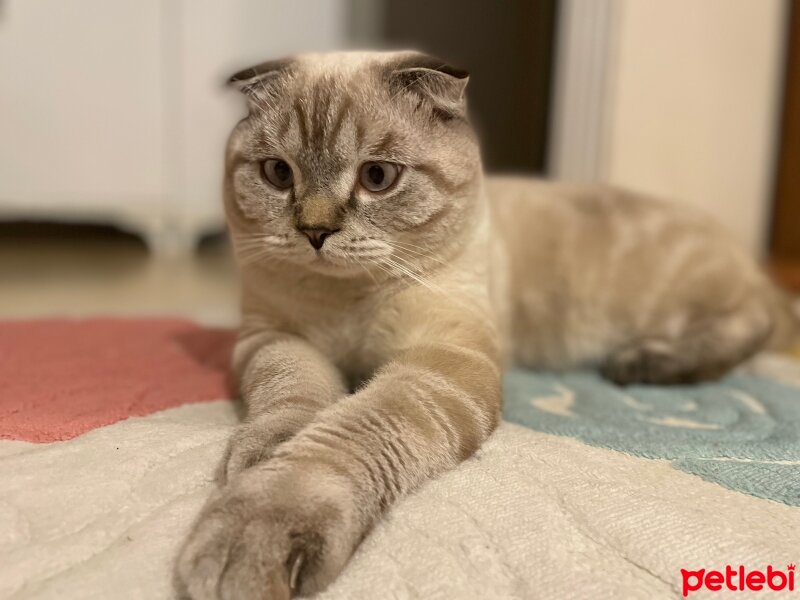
pixel 50 270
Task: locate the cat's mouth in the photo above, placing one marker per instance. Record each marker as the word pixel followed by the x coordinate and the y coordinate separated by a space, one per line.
pixel 333 263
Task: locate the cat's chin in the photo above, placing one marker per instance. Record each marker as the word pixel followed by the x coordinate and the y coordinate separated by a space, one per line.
pixel 333 267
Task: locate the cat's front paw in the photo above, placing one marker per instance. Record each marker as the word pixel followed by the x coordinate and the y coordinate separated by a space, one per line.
pixel 269 534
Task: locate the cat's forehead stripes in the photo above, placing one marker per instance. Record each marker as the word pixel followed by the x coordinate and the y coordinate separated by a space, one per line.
pixel 301 120
pixel 322 122
pixel 383 145
pixel 320 109
pixel 327 116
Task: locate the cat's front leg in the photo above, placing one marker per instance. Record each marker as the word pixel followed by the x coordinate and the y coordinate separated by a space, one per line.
pixel 284 383
pixel 291 524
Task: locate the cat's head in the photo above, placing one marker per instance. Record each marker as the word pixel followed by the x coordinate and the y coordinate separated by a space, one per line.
pixel 352 160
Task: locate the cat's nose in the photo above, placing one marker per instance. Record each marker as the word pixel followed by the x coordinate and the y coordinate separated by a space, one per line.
pixel 317 236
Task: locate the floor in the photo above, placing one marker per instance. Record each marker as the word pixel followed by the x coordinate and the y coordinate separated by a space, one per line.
pixel 53 270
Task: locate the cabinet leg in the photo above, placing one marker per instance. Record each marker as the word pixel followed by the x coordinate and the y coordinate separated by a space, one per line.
pixel 170 240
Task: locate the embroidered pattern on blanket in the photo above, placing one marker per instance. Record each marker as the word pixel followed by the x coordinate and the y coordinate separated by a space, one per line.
pixel 742 432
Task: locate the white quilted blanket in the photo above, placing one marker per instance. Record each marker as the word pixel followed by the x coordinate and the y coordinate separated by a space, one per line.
pixel 534 515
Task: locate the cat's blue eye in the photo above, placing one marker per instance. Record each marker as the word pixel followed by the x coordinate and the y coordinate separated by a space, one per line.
pixel 378 176
pixel 278 173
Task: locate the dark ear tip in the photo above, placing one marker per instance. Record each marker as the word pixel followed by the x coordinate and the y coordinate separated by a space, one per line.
pixel 456 72
pixel 242 76
pixel 260 70
pixel 420 60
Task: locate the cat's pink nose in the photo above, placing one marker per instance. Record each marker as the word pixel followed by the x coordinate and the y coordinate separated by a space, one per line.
pixel 317 237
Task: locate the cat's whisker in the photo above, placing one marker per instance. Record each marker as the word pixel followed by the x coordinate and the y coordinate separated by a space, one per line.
pixel 408 244
pixel 251 258
pixel 400 251
pixel 408 264
pixel 263 245
pixel 247 246
pixel 437 289
pixel 415 276
pixel 367 256
pixel 248 254
pixel 367 271
pixel 387 271
pixel 248 236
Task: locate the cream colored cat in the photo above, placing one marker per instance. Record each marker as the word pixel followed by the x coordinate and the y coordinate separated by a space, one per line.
pixel 382 294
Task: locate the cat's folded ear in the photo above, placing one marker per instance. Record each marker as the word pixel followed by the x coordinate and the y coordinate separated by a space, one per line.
pixel 257 78
pixel 432 80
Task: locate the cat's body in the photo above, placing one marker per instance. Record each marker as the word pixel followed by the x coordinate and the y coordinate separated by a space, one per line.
pixel 577 276
pixel 645 290
pixel 384 280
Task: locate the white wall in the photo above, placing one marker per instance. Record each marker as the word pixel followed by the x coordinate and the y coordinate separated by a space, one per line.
pixel 693 105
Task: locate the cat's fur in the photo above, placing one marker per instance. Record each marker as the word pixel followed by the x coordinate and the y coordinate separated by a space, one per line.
pixel 374 364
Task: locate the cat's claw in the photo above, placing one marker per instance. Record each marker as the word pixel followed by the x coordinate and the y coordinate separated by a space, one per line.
pixel 294 572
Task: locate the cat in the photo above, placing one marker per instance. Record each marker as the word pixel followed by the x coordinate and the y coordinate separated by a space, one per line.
pixel 383 293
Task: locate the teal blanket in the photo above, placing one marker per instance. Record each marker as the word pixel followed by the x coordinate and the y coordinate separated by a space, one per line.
pixel 742 432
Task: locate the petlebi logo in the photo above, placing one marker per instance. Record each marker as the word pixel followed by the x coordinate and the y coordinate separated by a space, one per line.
pixel 738 579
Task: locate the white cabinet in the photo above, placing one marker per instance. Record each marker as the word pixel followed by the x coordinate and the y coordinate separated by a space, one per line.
pixel 80 106
pixel 115 111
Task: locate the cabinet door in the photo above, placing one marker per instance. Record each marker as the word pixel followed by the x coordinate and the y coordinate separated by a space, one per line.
pixel 80 105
